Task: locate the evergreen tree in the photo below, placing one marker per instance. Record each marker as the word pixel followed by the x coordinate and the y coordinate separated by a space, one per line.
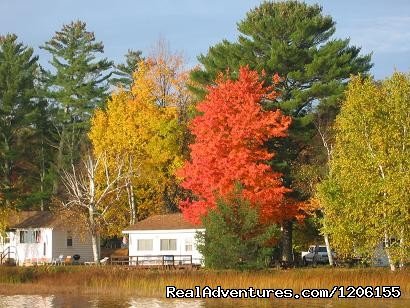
pixel 234 236
pixel 126 70
pixel 18 115
pixel 293 39
pixel 77 86
pixel 43 174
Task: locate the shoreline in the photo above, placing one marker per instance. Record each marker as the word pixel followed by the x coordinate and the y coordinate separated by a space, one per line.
pixel 116 281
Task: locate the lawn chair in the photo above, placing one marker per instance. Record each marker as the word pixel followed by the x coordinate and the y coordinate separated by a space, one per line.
pixel 58 261
pixel 68 260
pixel 103 261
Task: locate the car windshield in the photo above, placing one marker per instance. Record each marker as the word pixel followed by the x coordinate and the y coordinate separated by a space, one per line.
pixel 322 249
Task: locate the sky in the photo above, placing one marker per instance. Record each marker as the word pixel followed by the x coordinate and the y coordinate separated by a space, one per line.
pixel 192 26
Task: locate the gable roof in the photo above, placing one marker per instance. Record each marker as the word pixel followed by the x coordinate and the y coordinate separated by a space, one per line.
pixel 33 219
pixel 163 222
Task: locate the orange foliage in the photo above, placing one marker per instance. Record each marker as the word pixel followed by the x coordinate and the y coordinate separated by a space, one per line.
pixel 230 135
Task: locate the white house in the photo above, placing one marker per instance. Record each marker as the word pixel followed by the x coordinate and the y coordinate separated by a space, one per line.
pixel 40 236
pixel 380 257
pixel 163 238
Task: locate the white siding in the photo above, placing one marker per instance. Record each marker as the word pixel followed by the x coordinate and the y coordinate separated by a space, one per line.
pixel 81 245
pixel 55 243
pixel 380 256
pixel 33 251
pixel 181 237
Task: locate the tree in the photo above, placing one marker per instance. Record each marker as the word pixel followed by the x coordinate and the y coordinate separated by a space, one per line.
pixel 229 147
pixel 126 70
pixel 365 199
pixel 294 40
pixel 76 87
pixel 234 236
pixel 18 114
pixel 147 135
pixel 91 200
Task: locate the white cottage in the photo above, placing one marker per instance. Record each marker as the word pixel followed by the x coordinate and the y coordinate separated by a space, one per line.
pixel 40 236
pixel 163 238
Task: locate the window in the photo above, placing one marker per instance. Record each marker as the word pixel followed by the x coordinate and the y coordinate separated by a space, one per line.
pixel 29 237
pixel 36 236
pixel 390 242
pixel 44 249
pixel 24 237
pixel 69 239
pixel 145 244
pixel 188 245
pixel 169 244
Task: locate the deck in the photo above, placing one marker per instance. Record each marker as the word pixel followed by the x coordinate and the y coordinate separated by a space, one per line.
pixel 156 262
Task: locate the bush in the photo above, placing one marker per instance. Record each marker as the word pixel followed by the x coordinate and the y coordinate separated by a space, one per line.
pixel 234 237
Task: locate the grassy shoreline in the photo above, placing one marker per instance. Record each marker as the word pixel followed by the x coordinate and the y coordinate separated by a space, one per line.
pixel 117 281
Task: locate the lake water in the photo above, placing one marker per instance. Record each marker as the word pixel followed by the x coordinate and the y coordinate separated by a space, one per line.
pixel 68 301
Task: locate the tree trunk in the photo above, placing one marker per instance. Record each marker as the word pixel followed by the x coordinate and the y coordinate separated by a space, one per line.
pixel 401 265
pixel 328 249
pixel 131 202
pixel 59 161
pixel 387 245
pixel 94 241
pixel 286 241
pixel 94 235
pixel 7 170
pixel 42 175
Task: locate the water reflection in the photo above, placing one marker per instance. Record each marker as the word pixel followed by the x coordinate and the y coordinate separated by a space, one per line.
pixel 68 301
pixel 32 301
pixel 74 301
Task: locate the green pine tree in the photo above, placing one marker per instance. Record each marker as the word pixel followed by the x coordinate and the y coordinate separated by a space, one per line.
pixel 77 85
pixel 18 115
pixel 125 70
pixel 234 237
pixel 293 39
pixel 42 174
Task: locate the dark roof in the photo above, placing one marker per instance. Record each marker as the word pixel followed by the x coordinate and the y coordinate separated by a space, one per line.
pixel 32 219
pixel 163 222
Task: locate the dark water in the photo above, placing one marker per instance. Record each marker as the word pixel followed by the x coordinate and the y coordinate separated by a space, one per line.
pixel 69 301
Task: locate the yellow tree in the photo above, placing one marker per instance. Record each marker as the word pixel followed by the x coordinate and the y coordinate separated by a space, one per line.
pixel 144 129
pixel 172 83
pixel 366 199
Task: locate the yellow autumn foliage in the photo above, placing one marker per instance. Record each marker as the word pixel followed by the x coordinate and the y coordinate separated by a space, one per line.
pixel 366 200
pixel 138 130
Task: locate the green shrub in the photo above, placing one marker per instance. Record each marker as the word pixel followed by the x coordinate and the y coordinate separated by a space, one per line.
pixel 234 237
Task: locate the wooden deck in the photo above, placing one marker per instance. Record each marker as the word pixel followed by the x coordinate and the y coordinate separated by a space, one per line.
pixel 156 262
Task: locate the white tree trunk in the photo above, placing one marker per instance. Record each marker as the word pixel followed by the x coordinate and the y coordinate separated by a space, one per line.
pixel 83 194
pixel 328 249
pixel 94 241
pixel 387 245
pixel 94 235
pixel 401 265
pixel 131 203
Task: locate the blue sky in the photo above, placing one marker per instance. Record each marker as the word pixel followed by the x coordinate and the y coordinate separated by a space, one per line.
pixel 192 26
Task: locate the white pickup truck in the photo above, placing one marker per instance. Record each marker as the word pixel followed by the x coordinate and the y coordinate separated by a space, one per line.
pixel 316 254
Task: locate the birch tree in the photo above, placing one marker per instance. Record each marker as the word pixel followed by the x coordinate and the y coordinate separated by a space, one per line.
pixel 92 199
pixel 146 126
pixel 365 199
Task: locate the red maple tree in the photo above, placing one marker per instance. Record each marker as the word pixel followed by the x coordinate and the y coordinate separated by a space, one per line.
pixel 230 134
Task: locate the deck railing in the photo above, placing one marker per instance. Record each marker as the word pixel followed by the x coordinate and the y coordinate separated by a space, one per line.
pixel 156 260
pixel 9 253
